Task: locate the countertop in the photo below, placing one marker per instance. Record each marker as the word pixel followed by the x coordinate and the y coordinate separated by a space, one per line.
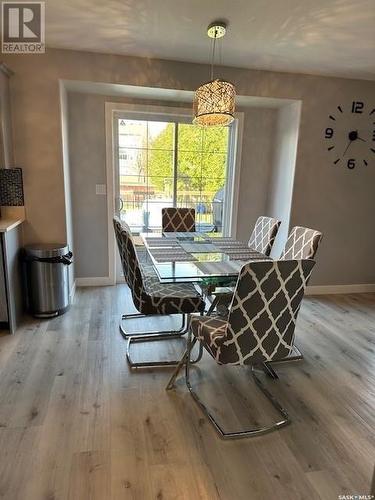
pixel 11 217
pixel 9 224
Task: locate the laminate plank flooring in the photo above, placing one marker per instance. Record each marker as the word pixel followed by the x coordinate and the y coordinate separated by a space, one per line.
pixel 77 424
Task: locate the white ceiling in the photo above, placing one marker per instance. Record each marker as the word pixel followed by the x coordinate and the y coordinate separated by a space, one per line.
pixel 329 37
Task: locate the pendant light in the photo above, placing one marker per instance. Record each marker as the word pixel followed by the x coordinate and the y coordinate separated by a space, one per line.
pixel 214 101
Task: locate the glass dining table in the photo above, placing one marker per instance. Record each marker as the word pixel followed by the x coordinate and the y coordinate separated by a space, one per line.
pixel 195 257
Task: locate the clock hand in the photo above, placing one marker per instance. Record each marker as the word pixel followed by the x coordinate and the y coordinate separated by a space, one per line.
pixel 347 147
pixel 357 137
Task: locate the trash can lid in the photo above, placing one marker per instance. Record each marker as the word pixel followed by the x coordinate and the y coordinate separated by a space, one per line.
pixel 46 250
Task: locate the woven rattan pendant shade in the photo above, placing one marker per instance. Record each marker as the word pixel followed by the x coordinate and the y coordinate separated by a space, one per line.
pixel 214 103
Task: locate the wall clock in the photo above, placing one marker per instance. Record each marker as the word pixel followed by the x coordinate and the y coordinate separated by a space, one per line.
pixel 350 135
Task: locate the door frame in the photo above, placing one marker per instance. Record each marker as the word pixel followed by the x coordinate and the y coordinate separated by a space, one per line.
pixel 141 110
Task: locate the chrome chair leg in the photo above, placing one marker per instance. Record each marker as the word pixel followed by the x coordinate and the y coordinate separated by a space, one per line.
pixel 153 364
pixel 181 363
pixel 268 370
pixel 152 335
pixel 238 434
pixel 294 355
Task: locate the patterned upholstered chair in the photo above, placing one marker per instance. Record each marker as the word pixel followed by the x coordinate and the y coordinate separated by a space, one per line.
pixel 150 297
pixel 302 243
pixel 259 329
pixel 261 240
pixel 178 219
pixel 264 233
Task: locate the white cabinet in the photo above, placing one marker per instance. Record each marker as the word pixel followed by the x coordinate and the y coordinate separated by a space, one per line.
pixel 11 297
pixel 3 294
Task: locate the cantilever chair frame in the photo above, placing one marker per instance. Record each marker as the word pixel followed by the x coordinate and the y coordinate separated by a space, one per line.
pixel 157 334
pixel 285 420
pixel 142 336
pixel 149 336
pixel 152 364
pixel 260 329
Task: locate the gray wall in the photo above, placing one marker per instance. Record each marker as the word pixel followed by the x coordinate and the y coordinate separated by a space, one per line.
pixel 281 182
pixel 87 149
pixel 6 132
pixel 336 200
pixel 256 165
pixel 88 168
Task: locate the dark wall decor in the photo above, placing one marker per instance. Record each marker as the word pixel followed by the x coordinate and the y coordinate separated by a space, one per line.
pixel 350 135
pixel 11 187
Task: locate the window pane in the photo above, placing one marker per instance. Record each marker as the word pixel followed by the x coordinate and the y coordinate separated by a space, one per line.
pixel 142 202
pixel 215 139
pixel 210 185
pixel 189 137
pixel 161 135
pixel 214 164
pixel 146 172
pixel 161 186
pixel 189 164
pixel 188 189
pixel 156 200
pixel 160 163
pixel 133 191
pixel 132 133
pixel 132 161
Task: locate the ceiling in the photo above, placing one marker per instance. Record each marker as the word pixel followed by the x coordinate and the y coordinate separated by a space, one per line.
pixel 328 37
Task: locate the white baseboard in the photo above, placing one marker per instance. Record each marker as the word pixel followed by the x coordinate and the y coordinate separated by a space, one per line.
pixel 311 290
pixel 336 289
pixel 98 281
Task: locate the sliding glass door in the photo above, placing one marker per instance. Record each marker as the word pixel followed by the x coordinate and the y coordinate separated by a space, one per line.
pixel 162 162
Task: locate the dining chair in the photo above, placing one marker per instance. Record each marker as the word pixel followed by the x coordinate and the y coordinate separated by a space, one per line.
pixel 261 240
pixel 178 219
pixel 264 233
pixel 151 298
pixel 259 329
pixel 302 243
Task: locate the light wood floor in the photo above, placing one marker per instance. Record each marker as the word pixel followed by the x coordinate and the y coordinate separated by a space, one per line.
pixel 75 423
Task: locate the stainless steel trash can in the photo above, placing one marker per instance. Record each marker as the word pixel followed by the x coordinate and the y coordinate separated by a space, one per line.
pixel 47 275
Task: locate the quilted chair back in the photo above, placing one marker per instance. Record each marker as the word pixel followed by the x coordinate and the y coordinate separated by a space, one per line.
pixel 264 311
pixel 178 219
pixel 264 233
pixel 129 261
pixel 302 243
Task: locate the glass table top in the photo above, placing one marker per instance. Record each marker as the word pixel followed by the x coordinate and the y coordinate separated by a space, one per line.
pixel 196 271
pixel 192 257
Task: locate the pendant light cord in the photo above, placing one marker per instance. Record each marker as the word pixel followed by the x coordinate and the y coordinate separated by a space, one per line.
pixel 213 47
